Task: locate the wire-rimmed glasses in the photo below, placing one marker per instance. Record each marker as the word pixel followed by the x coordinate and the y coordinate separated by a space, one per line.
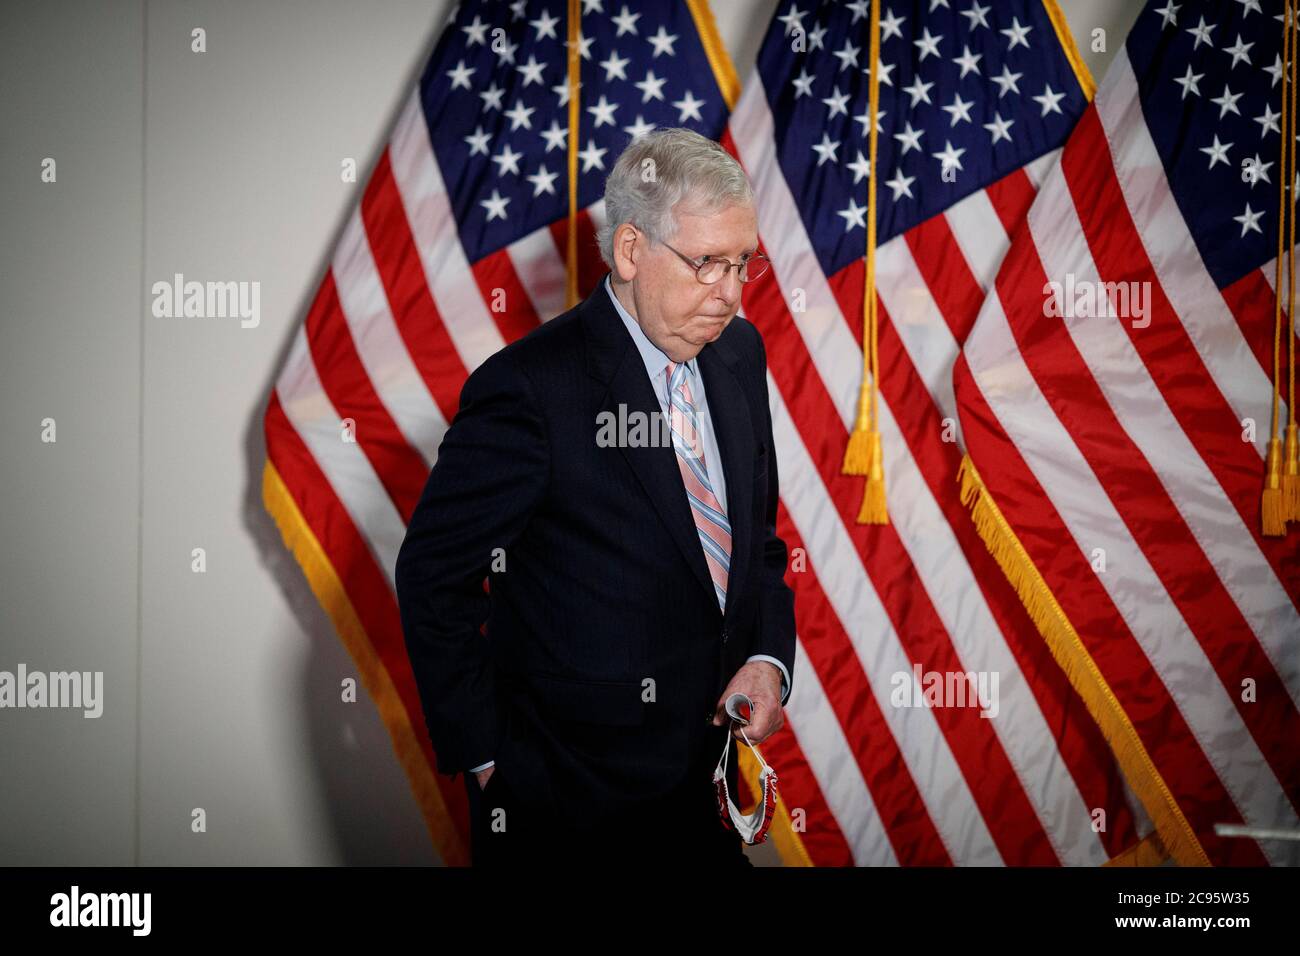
pixel 711 269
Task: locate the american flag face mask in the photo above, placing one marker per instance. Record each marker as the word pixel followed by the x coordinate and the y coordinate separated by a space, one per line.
pixel 752 828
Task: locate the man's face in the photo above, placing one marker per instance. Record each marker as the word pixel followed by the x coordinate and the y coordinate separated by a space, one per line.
pixel 679 313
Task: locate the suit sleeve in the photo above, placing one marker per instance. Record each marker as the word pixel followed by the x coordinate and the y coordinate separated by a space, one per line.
pixel 490 475
pixel 776 628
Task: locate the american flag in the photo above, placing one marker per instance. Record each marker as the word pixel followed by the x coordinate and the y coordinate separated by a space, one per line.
pixel 1125 453
pixel 974 103
pixel 457 247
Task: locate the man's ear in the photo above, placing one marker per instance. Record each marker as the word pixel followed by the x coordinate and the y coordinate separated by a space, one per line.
pixel 626 251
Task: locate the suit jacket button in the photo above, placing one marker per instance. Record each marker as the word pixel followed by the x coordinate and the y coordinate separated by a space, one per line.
pixel 724 635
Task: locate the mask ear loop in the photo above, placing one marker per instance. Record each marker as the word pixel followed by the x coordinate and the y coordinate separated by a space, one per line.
pixel 733 711
pixel 763 763
pixel 767 775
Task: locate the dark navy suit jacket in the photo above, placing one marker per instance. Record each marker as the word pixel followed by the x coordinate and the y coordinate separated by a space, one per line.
pixel 604 650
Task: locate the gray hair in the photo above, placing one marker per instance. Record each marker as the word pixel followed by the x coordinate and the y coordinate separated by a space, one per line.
pixel 661 170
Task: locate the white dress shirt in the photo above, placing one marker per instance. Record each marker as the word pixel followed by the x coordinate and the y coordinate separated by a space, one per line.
pixel 656 366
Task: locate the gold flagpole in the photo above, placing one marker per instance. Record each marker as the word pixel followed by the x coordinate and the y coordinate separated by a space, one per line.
pixel 575 65
pixel 1275 505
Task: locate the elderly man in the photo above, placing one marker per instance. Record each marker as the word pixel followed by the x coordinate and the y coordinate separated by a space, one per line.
pixel 634 583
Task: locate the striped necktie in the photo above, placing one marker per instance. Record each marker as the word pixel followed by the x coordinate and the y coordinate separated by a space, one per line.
pixel 710 521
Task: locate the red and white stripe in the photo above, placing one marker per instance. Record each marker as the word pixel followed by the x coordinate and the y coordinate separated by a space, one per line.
pixel 1095 434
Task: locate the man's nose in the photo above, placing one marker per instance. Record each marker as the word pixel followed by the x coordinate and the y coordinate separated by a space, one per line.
pixel 728 288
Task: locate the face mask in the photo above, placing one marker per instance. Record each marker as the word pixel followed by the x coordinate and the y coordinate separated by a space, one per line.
pixel 752 828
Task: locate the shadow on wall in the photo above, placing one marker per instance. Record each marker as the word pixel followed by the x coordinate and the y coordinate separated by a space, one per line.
pixel 368 803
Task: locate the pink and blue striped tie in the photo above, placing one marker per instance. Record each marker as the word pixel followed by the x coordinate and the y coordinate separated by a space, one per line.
pixel 710 520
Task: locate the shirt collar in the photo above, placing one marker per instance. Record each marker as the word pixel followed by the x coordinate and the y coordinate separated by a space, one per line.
pixel 655 359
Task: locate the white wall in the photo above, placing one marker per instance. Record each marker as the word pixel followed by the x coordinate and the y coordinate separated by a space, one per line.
pixel 222 689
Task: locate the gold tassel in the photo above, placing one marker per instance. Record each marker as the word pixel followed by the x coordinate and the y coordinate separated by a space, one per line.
pixel 873 510
pixel 1291 476
pixel 857 456
pixel 863 455
pixel 1274 525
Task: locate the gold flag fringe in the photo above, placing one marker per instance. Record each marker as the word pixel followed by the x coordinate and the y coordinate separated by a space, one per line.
pixel 1148 851
pixel 1175 832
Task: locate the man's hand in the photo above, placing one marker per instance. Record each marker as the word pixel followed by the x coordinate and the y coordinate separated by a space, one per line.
pixel 760 681
pixel 482 777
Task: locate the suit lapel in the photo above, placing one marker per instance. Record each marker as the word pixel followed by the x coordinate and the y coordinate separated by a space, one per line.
pixel 729 412
pixel 614 362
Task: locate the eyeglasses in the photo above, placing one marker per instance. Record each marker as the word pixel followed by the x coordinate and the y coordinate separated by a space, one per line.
pixel 711 269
